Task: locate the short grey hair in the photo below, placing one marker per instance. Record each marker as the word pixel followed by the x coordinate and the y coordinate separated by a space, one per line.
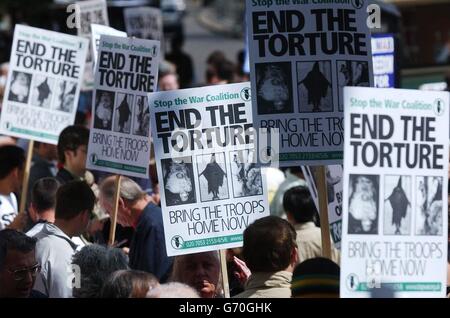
pixel 96 263
pixel 129 190
pixel 173 290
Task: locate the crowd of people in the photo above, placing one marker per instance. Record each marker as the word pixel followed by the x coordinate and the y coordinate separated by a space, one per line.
pixel 58 248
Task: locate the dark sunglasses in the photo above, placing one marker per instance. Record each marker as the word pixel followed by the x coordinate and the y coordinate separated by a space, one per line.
pixel 22 273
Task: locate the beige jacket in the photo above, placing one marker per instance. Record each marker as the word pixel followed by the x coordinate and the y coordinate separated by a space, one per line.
pixel 309 242
pixel 268 285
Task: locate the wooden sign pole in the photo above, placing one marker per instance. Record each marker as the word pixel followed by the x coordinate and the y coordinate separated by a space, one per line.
pixel 323 211
pixel 26 177
pixel 112 229
pixel 223 265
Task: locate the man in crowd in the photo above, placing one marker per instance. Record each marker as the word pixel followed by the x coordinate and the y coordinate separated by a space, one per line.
pixel 294 178
pixel 301 211
pixel 270 252
pixel 42 205
pixel 137 209
pixel 43 164
pixel 12 162
pixel 18 266
pixel 72 151
pixel 55 248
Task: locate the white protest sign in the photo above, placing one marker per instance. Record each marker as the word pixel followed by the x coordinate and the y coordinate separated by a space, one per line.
pixel 119 142
pixel 144 23
pixel 87 13
pixel 43 85
pixel 334 189
pixel 211 188
pixel 394 229
pixel 97 31
pixel 301 55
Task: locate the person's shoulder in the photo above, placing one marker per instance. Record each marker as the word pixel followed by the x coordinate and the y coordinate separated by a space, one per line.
pixel 150 220
pixel 37 294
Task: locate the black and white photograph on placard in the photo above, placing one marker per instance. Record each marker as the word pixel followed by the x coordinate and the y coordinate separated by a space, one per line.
pixel 141 117
pixel 212 177
pixel 315 91
pixel 42 91
pixel 363 205
pixel 274 88
pixel 351 73
pixel 397 205
pixel 429 205
pixel 246 174
pixel 123 113
pixel 104 105
pixel 19 89
pixel 178 182
pixel 65 96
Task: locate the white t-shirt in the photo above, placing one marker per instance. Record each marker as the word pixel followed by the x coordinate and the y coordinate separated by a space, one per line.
pixel 8 209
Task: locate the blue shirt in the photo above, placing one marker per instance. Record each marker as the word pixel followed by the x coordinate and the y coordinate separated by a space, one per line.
pixel 148 248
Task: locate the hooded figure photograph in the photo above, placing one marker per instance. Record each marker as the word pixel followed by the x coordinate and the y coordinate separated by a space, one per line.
pixel 42 91
pixel 315 90
pixel 213 185
pixel 397 205
pixel 122 121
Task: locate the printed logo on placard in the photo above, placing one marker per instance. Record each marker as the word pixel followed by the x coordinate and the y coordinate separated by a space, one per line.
pixel 357 3
pixel 177 242
pixel 7 125
pixel 439 107
pixel 93 158
pixel 246 94
pixel 352 282
pixel 154 51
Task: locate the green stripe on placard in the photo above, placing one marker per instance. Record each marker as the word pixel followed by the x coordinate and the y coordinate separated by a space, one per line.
pixel 212 241
pixel 311 155
pixel 119 166
pixel 403 287
pixel 33 133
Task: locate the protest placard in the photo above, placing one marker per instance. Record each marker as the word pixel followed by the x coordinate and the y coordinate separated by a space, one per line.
pixel 144 23
pixel 302 53
pixel 43 84
pixel 334 190
pixel 97 31
pixel 383 49
pixel 119 142
pixel 211 187
pixel 394 237
pixel 87 13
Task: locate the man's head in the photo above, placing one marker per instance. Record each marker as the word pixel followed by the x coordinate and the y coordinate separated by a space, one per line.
pixel 173 290
pixel 220 73
pixel 129 284
pixel 168 82
pixel 46 151
pixel 199 270
pixel 74 204
pixel 316 278
pixel 72 149
pixel 18 266
pixel 12 159
pixel 130 194
pixel 299 205
pixel 43 198
pixel 270 246
pixel 96 263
